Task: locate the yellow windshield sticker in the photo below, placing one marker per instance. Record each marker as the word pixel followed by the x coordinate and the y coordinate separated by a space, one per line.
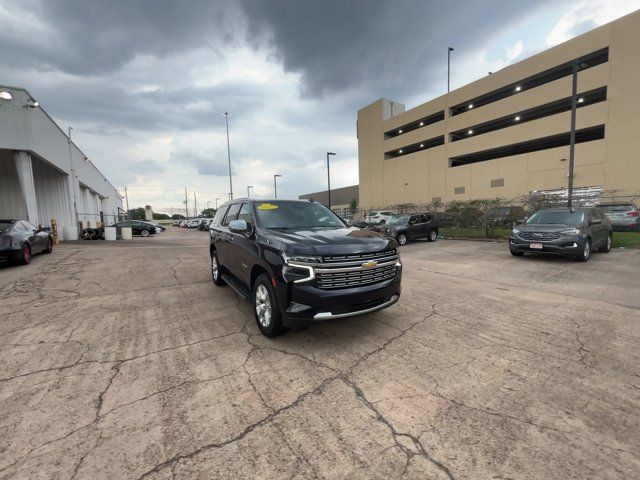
pixel 267 206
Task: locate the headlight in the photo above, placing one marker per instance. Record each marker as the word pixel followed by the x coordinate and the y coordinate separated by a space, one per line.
pixel 515 231
pixel 572 231
pixel 299 268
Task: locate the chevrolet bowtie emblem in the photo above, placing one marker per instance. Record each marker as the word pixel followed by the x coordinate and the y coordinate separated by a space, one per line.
pixel 366 265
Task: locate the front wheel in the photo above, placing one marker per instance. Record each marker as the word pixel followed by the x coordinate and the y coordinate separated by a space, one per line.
pixel 144 233
pixel 216 270
pixel 265 308
pixel 586 252
pixel 606 248
pixel 433 235
pixel 402 239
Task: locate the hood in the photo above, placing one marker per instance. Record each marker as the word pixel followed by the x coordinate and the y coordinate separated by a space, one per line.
pixel 545 227
pixel 342 241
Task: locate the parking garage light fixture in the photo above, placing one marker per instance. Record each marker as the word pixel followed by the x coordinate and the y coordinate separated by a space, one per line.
pixel 422 124
pixel 470 132
pixel 400 131
pixel 422 145
pixel 518 88
pixel 470 106
pixel 517 119
pixel 581 100
pixel 400 151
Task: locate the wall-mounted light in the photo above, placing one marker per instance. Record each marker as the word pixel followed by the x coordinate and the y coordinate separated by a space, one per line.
pixel 581 100
pixel 400 131
pixel 518 88
pixel 421 124
pixel 517 119
pixel 422 145
pixel 400 151
pixel 470 106
pixel 469 132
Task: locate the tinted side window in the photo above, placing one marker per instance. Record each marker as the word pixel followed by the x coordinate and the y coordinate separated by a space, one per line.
pixel 413 219
pixel 245 214
pixel 19 227
pixel 28 226
pixel 426 218
pixel 219 215
pixel 231 214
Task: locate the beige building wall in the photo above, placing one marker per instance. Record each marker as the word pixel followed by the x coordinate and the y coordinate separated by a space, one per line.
pixel 426 175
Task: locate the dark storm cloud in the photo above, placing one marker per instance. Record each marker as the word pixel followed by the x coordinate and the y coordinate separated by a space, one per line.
pixel 374 45
pixel 205 165
pixel 88 37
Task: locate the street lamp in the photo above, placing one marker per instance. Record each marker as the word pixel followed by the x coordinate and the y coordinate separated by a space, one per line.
pixel 329 179
pixel 226 119
pixel 275 186
pixel 449 50
pixel 208 202
pixel 248 187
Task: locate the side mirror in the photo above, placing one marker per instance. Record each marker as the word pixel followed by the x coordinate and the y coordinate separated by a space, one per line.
pixel 238 226
pixel 595 221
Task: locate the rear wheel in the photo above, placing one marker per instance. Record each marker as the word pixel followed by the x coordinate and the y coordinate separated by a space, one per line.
pixel 216 270
pixel 402 239
pixel 586 252
pixel 265 308
pixel 144 233
pixel 25 258
pixel 433 235
pixel 49 248
pixel 606 248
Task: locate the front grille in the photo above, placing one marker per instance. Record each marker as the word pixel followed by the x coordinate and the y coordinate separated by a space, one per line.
pixel 540 236
pixel 355 278
pixel 347 271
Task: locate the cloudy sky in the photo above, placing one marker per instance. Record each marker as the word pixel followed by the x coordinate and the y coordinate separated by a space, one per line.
pixel 144 82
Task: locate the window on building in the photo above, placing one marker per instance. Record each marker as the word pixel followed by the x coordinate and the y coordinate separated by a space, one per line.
pixel 458 190
pixel 497 182
pixel 436 200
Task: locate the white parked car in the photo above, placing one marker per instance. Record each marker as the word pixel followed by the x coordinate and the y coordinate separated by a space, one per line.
pixel 194 223
pixel 378 217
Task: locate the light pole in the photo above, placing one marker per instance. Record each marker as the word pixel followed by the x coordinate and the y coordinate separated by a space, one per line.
pixel 275 186
pixel 329 179
pixel 73 185
pixel 572 135
pixel 217 198
pixel 208 202
pixel 449 50
pixel 226 118
pixel 248 187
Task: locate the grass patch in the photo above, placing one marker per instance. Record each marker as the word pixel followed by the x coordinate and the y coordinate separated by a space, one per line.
pixel 620 239
pixel 626 239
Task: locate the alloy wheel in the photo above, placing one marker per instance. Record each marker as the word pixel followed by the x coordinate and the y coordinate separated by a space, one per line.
pixel 433 235
pixel 26 254
pixel 263 306
pixel 402 239
pixel 587 250
pixel 215 271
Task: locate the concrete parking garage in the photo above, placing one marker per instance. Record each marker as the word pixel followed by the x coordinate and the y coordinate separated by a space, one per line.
pixel 129 363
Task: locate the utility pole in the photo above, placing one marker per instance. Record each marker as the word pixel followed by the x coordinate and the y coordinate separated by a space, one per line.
pixel 217 198
pixel 329 179
pixel 73 185
pixel 186 204
pixel 449 50
pixel 226 118
pixel 572 135
pixel 126 196
pixel 248 187
pixel 275 186
pixel 195 205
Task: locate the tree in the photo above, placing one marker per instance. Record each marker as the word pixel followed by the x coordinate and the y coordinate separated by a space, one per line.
pixel 160 216
pixel 208 212
pixel 354 205
pixel 136 213
pixel 177 216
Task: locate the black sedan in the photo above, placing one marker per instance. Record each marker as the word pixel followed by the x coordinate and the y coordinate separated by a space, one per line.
pixel 562 231
pixel 138 227
pixel 19 240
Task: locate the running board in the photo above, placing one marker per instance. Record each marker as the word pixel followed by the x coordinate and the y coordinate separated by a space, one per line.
pixel 237 286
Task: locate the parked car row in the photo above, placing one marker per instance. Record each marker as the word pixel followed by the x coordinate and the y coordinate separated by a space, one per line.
pixel 199 223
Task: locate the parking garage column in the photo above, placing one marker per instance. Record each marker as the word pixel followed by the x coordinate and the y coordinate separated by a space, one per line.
pixel 27 185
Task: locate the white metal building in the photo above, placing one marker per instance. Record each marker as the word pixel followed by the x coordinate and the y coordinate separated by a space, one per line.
pixel 43 175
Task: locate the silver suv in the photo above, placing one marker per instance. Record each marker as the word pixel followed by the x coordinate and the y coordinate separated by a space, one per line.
pixel 623 216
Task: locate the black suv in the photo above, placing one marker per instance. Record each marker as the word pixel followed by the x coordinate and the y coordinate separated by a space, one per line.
pixel 300 264
pixel 569 232
pixel 410 227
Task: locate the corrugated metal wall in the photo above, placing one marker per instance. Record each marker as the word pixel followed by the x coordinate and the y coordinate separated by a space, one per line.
pixel 12 204
pixel 52 194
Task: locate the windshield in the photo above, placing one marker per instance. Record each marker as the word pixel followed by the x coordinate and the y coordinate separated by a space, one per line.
pixel 5 227
pixel 558 217
pixel 296 215
pixel 398 220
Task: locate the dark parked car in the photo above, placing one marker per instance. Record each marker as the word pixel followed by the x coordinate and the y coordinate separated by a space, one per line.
pixel 204 224
pixel 138 227
pixel 300 264
pixel 411 227
pixel 19 240
pixel 624 216
pixel 562 231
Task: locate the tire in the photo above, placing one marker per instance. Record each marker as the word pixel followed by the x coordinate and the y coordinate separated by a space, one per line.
pixel 144 233
pixel 606 248
pixel 265 308
pixel 433 235
pixel 516 253
pixel 25 258
pixel 402 239
pixel 49 248
pixel 216 270
pixel 383 221
pixel 586 252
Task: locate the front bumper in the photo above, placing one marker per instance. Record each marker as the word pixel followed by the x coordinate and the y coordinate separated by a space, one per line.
pixel 568 245
pixel 305 304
